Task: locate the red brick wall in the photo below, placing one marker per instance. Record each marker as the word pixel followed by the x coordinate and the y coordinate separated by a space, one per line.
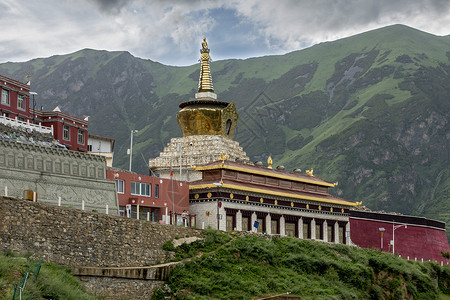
pixel 414 241
pixel 180 191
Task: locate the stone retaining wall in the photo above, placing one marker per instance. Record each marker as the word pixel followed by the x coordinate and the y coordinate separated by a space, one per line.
pixel 120 288
pixel 73 237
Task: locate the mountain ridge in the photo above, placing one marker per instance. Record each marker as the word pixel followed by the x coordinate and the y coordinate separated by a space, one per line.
pixel 370 111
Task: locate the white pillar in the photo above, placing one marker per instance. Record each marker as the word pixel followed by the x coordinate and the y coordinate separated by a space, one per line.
pixel 336 232
pixel 59 201
pixel 107 209
pixel 223 220
pixel 6 191
pixel 325 231
pixel 239 221
pixel 82 204
pixel 348 241
pixel 313 229
pixel 253 219
pixel 148 216
pixel 268 224
pixel 300 228
pixel 282 226
pixel 137 211
pixel 167 215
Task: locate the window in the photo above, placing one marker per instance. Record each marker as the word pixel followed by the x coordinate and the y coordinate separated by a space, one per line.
pixel 20 102
pixel 156 190
pixel 89 148
pixel 5 97
pixel 122 211
pixel 145 189
pixel 289 229
pixel 274 226
pixel 119 186
pixel 245 221
pixel 66 132
pixel 142 189
pixel 80 137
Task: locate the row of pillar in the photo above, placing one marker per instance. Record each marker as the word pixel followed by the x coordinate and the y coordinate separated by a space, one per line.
pixel 282 226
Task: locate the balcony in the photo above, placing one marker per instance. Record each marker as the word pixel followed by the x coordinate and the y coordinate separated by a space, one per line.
pixel 33 127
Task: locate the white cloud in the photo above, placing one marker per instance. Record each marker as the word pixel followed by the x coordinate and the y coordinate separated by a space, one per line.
pixel 171 31
pixel 291 24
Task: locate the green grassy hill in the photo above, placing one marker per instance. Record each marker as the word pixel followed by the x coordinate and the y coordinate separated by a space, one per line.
pixel 47 282
pixel 370 111
pixel 228 266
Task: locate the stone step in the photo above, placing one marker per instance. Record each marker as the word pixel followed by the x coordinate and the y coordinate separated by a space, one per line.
pixel 157 272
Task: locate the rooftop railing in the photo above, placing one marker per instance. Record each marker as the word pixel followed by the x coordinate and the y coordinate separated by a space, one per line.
pixel 26 124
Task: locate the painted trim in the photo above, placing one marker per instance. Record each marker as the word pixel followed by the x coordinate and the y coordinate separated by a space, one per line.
pixel 223 166
pixel 398 223
pixel 262 191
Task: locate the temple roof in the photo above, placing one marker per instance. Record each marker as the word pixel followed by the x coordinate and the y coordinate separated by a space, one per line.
pixel 280 189
pixel 252 169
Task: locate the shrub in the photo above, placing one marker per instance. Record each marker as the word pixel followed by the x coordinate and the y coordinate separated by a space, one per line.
pixel 168 246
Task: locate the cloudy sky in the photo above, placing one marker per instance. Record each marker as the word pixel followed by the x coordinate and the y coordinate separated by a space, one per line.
pixel 170 31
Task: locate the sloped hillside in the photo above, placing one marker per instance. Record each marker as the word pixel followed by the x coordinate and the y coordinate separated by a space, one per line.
pixel 229 266
pixel 370 111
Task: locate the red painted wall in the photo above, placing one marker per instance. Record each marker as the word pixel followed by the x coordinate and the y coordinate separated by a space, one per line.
pixel 58 119
pixel 164 199
pixel 414 241
pixel 15 88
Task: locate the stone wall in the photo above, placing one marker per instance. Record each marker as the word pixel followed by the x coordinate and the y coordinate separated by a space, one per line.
pixel 196 150
pixel 74 177
pixel 73 237
pixel 120 288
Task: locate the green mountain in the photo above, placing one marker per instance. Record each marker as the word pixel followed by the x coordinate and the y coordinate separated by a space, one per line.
pixel 370 111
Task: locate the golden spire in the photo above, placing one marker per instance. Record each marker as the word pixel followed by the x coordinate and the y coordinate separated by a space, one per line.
pixel 205 81
pixel 269 162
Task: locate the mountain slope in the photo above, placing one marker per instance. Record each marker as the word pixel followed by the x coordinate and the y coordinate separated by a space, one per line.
pixel 370 111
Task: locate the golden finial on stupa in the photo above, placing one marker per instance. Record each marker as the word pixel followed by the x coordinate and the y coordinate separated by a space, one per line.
pixel 310 172
pixel 205 82
pixel 269 162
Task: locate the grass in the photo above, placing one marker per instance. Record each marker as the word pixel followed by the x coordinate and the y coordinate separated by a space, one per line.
pixel 244 267
pixel 52 282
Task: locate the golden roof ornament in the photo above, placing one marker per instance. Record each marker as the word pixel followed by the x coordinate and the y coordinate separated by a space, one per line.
pixel 269 162
pixel 310 172
pixel 205 81
pixel 205 115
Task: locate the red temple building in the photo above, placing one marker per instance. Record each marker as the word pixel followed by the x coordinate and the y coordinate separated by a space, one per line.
pixel 17 109
pixel 153 198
